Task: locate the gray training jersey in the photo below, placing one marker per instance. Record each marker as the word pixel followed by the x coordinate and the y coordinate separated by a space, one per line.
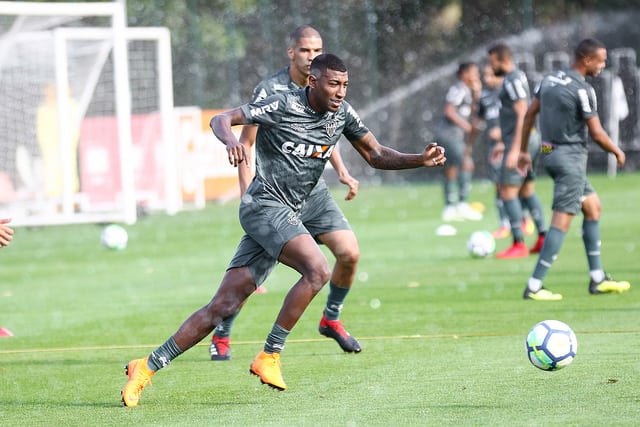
pixel 459 95
pixel 566 102
pixel 279 81
pixel 514 88
pixel 294 143
pixel 489 107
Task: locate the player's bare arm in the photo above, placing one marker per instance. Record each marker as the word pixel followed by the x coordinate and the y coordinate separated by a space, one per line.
pixel 382 157
pixel 451 113
pixel 524 159
pixel 247 139
pixel 520 108
pixel 599 135
pixel 221 127
pixel 343 174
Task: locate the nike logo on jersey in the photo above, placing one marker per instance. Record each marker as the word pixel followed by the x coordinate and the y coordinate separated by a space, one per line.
pixel 307 150
pixel 261 95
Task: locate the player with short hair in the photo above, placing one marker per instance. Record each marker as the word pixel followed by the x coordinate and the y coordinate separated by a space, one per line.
pixel 489 111
pixel 513 187
pixel 568 109
pixel 455 132
pixel 297 132
pixel 320 214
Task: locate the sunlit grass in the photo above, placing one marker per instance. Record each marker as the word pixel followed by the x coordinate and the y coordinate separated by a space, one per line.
pixel 443 334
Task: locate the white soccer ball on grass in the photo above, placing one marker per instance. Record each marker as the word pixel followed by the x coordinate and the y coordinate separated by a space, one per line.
pixel 551 345
pixel 481 244
pixel 114 237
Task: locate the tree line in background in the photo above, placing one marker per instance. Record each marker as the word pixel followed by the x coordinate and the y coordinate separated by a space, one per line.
pixel 223 48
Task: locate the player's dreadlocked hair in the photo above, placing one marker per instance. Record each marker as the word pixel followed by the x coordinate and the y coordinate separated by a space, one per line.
pixel 326 61
pixel 588 47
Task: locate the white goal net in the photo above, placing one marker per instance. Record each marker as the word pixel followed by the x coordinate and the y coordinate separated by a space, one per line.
pixel 86 115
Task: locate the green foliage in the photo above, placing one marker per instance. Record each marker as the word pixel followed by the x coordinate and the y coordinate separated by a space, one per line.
pixel 442 333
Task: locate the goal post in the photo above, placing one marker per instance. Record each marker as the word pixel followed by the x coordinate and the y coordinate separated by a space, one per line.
pixel 101 94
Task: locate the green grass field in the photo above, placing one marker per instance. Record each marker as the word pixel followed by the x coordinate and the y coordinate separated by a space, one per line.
pixel 442 334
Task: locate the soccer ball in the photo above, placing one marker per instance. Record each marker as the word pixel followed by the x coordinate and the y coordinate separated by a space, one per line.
pixel 551 345
pixel 114 237
pixel 481 244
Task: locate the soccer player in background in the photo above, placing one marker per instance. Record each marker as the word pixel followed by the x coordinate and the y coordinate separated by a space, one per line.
pixel 512 186
pixel 455 132
pixel 6 232
pixel 489 111
pixel 320 214
pixel 297 133
pixel 567 106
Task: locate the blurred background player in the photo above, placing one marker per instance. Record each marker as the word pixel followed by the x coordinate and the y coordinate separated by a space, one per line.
pixel 489 111
pixel 512 185
pixel 48 135
pixel 320 214
pixel 6 235
pixel 568 108
pixel 455 133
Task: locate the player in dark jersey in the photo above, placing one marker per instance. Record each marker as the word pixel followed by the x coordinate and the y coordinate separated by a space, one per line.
pixel 320 215
pixel 514 100
pixel 297 133
pixel 568 109
pixel 489 111
pixel 455 132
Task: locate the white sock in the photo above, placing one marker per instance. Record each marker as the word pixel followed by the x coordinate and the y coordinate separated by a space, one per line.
pixel 534 285
pixel 597 275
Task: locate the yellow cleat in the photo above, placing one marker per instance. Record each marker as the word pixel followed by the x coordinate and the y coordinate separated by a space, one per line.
pixel 541 295
pixel 608 285
pixel 528 226
pixel 139 375
pixel 267 367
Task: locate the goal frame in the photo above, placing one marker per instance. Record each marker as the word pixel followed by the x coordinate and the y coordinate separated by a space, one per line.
pixel 116 36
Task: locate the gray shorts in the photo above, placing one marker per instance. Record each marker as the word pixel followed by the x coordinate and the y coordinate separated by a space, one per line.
pixel 512 176
pixel 453 142
pixel 270 227
pixel 567 166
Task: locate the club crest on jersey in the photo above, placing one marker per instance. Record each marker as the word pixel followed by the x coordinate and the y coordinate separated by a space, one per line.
pixel 307 150
pixel 330 127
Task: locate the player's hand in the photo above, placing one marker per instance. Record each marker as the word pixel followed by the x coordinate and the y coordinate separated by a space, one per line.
pixel 511 161
pixel 353 185
pixel 524 163
pixel 237 154
pixel 620 157
pixel 6 233
pixel 497 153
pixel 434 155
